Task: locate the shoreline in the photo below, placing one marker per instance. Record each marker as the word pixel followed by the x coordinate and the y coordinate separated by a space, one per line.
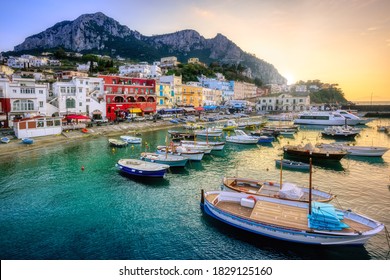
pixel 15 146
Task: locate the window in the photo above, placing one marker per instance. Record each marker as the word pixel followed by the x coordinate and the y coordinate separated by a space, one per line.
pixel 80 90
pixel 80 104
pixel 23 105
pixel 70 103
pixel 41 104
pixel 41 91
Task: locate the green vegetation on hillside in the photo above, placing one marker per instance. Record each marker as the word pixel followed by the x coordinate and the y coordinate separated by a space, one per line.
pixel 190 72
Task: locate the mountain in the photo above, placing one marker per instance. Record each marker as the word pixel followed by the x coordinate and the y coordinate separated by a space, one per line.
pixel 104 35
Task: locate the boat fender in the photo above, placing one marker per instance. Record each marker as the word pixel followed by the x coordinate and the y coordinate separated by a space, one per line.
pixel 252 197
pixel 271 183
pixel 82 168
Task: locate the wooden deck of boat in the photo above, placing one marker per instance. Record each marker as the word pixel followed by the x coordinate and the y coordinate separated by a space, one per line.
pixel 279 214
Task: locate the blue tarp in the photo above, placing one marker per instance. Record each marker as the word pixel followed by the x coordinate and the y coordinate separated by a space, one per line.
pixel 175 110
pixel 210 107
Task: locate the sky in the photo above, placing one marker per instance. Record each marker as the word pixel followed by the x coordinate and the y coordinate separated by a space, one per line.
pixel 346 42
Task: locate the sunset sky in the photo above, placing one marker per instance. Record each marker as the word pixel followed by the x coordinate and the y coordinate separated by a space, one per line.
pixel 336 41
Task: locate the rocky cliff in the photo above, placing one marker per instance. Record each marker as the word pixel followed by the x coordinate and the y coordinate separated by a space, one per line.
pixel 97 32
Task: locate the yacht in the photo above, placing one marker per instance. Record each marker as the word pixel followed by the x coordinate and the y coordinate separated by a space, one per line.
pixel 351 116
pixel 328 118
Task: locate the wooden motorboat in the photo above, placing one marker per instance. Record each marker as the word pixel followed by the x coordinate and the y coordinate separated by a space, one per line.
pixel 288 191
pixel 308 151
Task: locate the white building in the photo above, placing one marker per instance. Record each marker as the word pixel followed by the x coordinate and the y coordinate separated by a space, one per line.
pixel 141 70
pixel 79 96
pixel 168 62
pixel 284 102
pixel 211 97
pixel 26 97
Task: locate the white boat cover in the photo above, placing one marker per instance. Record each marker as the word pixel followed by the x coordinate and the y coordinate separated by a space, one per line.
pixel 290 191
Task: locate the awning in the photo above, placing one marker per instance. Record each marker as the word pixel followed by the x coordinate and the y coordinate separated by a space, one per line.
pixel 199 108
pixel 189 109
pixel 77 117
pixel 135 110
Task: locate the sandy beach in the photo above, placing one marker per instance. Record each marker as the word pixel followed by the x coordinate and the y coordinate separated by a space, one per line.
pixel 15 146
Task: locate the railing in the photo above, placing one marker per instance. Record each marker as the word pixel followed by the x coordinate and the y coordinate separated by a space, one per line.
pixel 73 126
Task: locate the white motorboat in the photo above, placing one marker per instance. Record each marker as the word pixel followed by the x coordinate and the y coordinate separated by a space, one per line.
pixel 181 151
pixel 340 131
pixel 209 132
pixel 351 116
pixel 241 137
pixel 215 146
pixel 328 118
pixel 363 151
pixel 131 139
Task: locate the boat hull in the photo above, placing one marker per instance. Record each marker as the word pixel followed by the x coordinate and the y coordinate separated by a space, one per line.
pixel 310 154
pixel 286 234
pixel 141 173
pixel 160 159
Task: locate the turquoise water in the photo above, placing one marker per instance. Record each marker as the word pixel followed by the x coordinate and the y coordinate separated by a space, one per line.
pixel 51 209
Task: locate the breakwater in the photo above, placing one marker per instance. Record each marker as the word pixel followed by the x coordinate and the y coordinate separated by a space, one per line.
pixel 380 111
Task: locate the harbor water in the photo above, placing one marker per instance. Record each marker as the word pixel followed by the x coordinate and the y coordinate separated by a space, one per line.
pixel 52 209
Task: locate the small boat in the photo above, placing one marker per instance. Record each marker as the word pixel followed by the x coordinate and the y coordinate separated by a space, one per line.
pixel 265 139
pixel 286 163
pixel 5 140
pixel 241 137
pixel 314 223
pixel 288 191
pixel 215 146
pixel 340 132
pixel 171 160
pixel 27 141
pixel 316 153
pixel 84 130
pixel 117 142
pixel 364 151
pixel 209 132
pixel 206 149
pixel 181 151
pixel 230 126
pixel 179 135
pixel 131 139
pixel 141 168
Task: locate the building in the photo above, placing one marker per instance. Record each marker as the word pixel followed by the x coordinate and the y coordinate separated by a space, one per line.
pixel 284 102
pixel 176 85
pixel 192 95
pixel 22 98
pixel 211 97
pixel 244 91
pixel 37 126
pixel 226 87
pixel 165 95
pixel 168 62
pixel 126 95
pixel 141 70
pixel 83 96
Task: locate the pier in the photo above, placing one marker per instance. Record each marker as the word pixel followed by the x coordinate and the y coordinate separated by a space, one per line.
pixel 377 111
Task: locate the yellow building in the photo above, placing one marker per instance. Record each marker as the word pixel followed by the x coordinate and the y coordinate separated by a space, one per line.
pixel 165 95
pixel 192 95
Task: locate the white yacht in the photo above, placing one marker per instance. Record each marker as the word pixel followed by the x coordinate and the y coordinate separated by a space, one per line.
pixel 351 116
pixel 328 118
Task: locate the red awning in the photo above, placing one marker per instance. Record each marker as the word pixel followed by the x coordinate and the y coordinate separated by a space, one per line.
pixel 77 117
pixel 199 108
